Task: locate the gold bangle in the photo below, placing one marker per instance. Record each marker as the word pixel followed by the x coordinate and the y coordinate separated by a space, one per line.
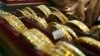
pixel 39 21
pixel 42 22
pixel 89 41
pixel 58 27
pixel 44 9
pixel 71 32
pixel 63 16
pixel 27 14
pixel 71 50
pixel 65 49
pixel 80 25
pixel 52 26
pixel 31 11
pixel 55 16
pixel 67 30
pixel 41 34
pixel 14 22
pixel 39 39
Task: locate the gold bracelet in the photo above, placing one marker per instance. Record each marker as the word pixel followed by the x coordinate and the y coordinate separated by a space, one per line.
pixel 14 22
pixel 44 9
pixel 55 17
pixel 39 39
pixel 63 16
pixel 89 41
pixel 31 11
pixel 70 49
pixel 80 25
pixel 42 22
pixel 27 14
pixel 71 32
pixel 21 27
pixel 39 21
pixel 58 27
pixel 67 30
pixel 63 48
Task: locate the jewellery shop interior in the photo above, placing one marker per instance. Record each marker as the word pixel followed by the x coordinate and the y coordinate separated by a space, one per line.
pixel 49 28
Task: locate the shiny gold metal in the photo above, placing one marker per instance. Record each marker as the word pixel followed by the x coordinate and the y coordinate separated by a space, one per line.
pixel 80 25
pixel 44 9
pixel 63 48
pixel 68 32
pixel 40 40
pixel 14 22
pixel 31 11
pixel 57 15
pixel 89 41
pixel 41 22
pixel 70 49
pixel 59 12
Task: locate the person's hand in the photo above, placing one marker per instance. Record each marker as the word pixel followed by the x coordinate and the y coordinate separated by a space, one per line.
pixel 73 7
pixel 92 12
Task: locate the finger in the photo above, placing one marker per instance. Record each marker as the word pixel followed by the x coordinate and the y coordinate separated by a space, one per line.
pixel 89 12
pixel 96 12
pixel 73 8
pixel 80 10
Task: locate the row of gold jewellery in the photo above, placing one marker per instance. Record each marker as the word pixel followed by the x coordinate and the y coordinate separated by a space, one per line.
pixel 69 34
pixel 38 20
pixel 40 40
pixel 58 17
pixel 89 41
pixel 63 48
pixel 60 13
pixel 80 25
pixel 14 22
pixel 44 9
pixel 65 20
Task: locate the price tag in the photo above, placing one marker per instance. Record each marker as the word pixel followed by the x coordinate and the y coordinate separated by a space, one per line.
pixel 58 34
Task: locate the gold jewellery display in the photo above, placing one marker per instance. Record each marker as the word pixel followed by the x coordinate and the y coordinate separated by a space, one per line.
pixel 14 22
pixel 80 25
pixel 57 16
pixel 69 34
pixel 44 9
pixel 41 22
pixel 63 48
pixel 65 31
pixel 89 41
pixel 59 12
pixel 31 11
pixel 40 40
